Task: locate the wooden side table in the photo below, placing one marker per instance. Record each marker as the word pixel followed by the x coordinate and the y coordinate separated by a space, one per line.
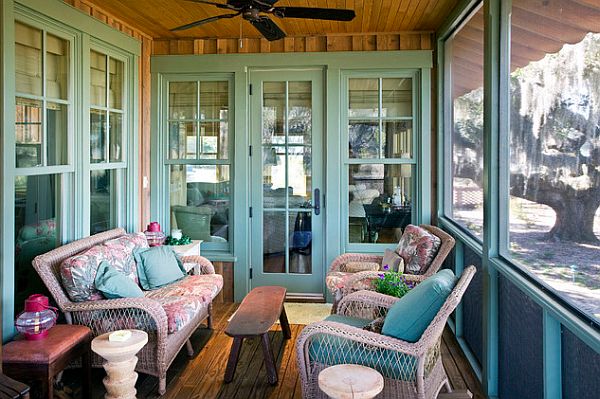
pixel 33 361
pixel 350 381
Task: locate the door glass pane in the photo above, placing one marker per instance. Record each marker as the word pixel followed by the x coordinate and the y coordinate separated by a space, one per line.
pixel 214 140
pixel 274 112
pixel 274 241
pixel 300 112
pixel 300 242
pixel 363 95
pixel 182 140
pixel 37 223
pixel 28 132
pixel 200 198
pixel 299 176
pixel 183 100
pixel 396 97
pixel 397 139
pixel 274 183
pixel 363 138
pixel 380 202
pixel 115 93
pixel 28 59
pixel 97 79
pixel 102 201
pixel 214 100
pixel 97 136
pixel 57 67
pixel 116 136
pixel 57 134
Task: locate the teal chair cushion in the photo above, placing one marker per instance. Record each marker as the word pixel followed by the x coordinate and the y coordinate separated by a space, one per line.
pixel 331 350
pixel 158 266
pixel 114 284
pixel 409 317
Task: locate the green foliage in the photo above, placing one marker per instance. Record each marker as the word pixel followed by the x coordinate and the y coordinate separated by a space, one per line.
pixel 184 240
pixel 392 283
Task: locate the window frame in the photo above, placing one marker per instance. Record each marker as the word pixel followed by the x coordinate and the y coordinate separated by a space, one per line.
pixel 164 163
pixel 415 161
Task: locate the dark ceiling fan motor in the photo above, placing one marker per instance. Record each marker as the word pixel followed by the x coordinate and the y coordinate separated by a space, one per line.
pixel 252 10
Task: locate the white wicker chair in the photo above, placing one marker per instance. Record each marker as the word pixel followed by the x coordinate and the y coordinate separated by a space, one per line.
pixel 410 370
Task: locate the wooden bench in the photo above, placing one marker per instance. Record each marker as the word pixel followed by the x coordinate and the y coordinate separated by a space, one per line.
pixel 257 313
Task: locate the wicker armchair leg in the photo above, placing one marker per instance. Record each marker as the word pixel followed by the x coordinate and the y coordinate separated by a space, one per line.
pixel 189 348
pixel 209 323
pixel 162 384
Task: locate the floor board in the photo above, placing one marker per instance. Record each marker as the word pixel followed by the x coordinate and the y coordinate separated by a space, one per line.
pixel 202 375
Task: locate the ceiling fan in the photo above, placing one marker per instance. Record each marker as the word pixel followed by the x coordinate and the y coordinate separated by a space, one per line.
pixel 253 10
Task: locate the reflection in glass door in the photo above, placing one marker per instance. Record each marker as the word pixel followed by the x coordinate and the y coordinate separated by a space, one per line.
pixel 286 192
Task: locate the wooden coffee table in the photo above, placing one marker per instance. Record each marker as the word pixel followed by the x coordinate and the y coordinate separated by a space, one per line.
pixel 257 313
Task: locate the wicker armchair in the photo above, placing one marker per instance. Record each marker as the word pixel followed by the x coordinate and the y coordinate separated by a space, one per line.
pixel 410 370
pixel 347 283
pixel 108 315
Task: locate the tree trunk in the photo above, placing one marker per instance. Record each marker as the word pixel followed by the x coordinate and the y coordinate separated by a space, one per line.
pixel 575 221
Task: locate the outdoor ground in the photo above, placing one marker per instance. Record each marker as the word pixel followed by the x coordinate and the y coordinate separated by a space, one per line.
pixel 569 267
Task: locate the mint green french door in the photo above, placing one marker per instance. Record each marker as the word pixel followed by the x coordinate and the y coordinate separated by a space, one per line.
pixel 286 115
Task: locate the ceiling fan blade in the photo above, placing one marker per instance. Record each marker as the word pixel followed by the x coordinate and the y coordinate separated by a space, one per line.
pixel 332 14
pixel 203 21
pixel 212 3
pixel 268 28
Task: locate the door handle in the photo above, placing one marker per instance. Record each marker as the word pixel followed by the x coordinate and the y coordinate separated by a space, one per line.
pixel 317 198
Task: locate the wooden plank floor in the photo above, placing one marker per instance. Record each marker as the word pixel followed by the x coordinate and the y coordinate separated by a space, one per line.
pixel 202 376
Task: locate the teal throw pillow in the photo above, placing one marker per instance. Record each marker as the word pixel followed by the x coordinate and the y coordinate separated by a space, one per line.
pixel 114 284
pixel 409 317
pixel 158 266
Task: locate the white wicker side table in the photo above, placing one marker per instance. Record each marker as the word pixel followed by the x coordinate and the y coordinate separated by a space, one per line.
pixel 120 363
pixel 350 381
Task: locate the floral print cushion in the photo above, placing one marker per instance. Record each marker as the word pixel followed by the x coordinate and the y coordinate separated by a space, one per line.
pixel 417 247
pixel 121 250
pixel 180 311
pixel 204 286
pixel 78 273
pixel 335 280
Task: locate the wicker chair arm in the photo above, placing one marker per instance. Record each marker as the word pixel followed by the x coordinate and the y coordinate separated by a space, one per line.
pixel 362 280
pixel 352 257
pixel 206 266
pixel 365 304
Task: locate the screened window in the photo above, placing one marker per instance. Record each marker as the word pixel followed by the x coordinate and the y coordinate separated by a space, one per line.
pixel 199 160
pixel 554 141
pixel 380 161
pixel 464 119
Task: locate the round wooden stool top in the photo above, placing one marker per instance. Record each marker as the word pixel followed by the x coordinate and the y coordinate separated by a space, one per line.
pixel 115 351
pixel 350 381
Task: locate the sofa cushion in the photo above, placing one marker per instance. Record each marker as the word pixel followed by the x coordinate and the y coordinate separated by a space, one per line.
pixel 410 316
pixel 122 248
pixel 78 273
pixel 180 311
pixel 417 247
pixel 114 284
pixel 158 266
pixel 203 286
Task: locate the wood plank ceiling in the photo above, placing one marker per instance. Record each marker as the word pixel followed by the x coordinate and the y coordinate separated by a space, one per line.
pixel 157 17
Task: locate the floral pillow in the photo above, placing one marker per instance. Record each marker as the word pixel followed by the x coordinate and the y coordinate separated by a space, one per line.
pixel 417 247
pixel 121 250
pixel 79 272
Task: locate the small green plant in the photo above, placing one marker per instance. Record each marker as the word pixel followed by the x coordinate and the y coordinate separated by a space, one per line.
pixel 184 240
pixel 392 283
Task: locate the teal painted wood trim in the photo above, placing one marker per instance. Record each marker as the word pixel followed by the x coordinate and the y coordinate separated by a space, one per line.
pixel 459 265
pixel 64 13
pixel 8 161
pixel 220 257
pixel 552 357
pixel 471 358
pixel 337 60
pixel 424 173
pixel 461 235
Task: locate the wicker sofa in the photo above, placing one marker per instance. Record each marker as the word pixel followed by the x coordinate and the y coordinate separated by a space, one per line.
pixel 169 314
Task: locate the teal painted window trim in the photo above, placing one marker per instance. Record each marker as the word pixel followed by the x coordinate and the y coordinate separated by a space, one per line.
pixel 84 32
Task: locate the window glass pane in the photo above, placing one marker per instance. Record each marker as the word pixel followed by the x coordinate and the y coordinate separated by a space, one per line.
pixel 28 133
pixel 363 137
pixel 200 201
pixel 97 136
pixel 183 100
pixel 466 60
pixel 213 140
pixel 396 95
pixel 182 140
pixel 57 123
pixel 363 95
pixel 299 112
pixel 554 192
pixel 37 223
pixel 57 67
pixel 380 202
pixel 28 59
pixel 274 110
pixel 102 201
pixel 214 100
pixel 116 136
pixel 397 139
pixel 97 79
pixel 115 93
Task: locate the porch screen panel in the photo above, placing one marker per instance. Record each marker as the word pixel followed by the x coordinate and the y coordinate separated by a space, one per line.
pixel 580 368
pixel 472 311
pixel 520 346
